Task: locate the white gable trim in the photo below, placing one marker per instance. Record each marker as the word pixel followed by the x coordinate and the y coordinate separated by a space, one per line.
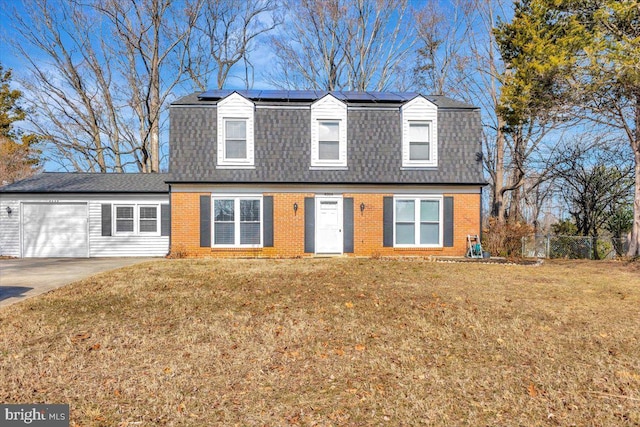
pixel 420 110
pixel 235 107
pixel 328 108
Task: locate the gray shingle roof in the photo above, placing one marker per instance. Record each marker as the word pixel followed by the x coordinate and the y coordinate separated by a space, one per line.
pixel 282 148
pixel 72 182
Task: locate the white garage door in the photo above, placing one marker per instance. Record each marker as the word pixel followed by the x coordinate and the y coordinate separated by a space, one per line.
pixel 54 230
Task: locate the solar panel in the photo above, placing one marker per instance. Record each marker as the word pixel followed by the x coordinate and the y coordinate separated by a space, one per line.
pixel 407 96
pixel 352 95
pixel 302 94
pixel 215 94
pixel 387 97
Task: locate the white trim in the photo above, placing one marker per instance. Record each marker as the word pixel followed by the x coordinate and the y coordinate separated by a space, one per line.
pixel 329 109
pixel 417 198
pixel 236 220
pixel 236 189
pixel 136 219
pixel 235 107
pixel 421 110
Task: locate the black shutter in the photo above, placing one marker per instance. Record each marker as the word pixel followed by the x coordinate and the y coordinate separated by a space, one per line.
pixel 267 217
pixel 347 212
pixel 205 221
pixel 165 220
pixel 106 219
pixel 309 225
pixel 448 222
pixel 387 222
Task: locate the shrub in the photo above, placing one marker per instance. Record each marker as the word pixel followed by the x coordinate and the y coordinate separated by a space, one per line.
pixel 505 239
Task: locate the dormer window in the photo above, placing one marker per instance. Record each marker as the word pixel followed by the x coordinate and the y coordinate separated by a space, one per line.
pixel 329 134
pixel 419 134
pixel 235 144
pixel 329 140
pixel 419 138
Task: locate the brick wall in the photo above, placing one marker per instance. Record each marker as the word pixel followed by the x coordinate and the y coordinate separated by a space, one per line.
pixel 289 227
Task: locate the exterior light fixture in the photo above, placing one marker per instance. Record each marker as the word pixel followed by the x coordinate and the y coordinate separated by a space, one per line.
pixel 9 210
pixel 295 207
pixel 362 207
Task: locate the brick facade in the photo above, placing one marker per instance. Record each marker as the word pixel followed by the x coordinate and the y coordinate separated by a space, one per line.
pixel 289 227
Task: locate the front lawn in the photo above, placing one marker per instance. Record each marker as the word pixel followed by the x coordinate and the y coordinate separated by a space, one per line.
pixel 332 342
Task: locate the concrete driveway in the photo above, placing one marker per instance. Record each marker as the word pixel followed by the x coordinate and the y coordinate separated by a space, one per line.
pixel 28 277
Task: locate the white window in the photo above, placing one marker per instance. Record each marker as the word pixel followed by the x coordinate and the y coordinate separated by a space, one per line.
pixel 235 147
pixel 136 219
pixel 419 134
pixel 237 221
pixel 418 222
pixel 124 219
pixel 329 133
pixel 419 139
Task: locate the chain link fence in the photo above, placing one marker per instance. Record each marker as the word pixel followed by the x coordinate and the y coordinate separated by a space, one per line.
pixel 573 247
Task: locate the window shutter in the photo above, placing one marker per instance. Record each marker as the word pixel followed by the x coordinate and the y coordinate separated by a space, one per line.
pixel 165 220
pixel 267 217
pixel 387 222
pixel 309 225
pixel 106 219
pixel 448 222
pixel 347 213
pixel 205 221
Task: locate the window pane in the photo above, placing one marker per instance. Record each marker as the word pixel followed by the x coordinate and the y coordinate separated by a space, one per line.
pixel 124 212
pixel 223 210
pixel 429 234
pixel 249 210
pixel 405 234
pixel 148 212
pixel 236 149
pixel 223 233
pixel 148 226
pixel 249 233
pixel 405 210
pixel 124 225
pixel 418 151
pixel 236 129
pixel 419 132
pixel 329 131
pixel 429 210
pixel 329 150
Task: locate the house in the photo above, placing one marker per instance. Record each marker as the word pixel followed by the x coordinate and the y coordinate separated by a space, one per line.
pixel 272 174
pixel 85 215
pixel 306 173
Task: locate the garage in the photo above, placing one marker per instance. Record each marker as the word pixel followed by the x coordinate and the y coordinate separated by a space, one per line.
pixel 55 230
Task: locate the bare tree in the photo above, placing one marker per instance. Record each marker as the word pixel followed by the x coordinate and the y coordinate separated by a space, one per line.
pixel 226 33
pixel 334 44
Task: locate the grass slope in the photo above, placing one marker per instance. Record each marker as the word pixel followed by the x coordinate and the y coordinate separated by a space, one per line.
pixel 332 342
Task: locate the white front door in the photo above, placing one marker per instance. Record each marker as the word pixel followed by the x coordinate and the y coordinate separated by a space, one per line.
pixel 329 238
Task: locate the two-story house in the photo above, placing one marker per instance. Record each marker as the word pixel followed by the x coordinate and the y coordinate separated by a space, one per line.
pixel 272 174
pixel 303 173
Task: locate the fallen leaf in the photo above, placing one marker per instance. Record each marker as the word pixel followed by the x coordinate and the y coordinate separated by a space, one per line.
pixel 348 304
pixel 533 391
pixel 359 347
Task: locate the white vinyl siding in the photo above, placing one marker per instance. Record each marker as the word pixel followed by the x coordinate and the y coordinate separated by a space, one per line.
pixel 235 136
pixel 418 221
pixel 148 245
pixel 329 133
pixel 9 227
pixel 419 133
pixel 237 221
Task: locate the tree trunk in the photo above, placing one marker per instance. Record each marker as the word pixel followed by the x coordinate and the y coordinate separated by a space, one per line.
pixel 634 243
pixel 497 209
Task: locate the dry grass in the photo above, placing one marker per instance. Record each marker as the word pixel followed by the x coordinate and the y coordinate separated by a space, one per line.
pixel 333 342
